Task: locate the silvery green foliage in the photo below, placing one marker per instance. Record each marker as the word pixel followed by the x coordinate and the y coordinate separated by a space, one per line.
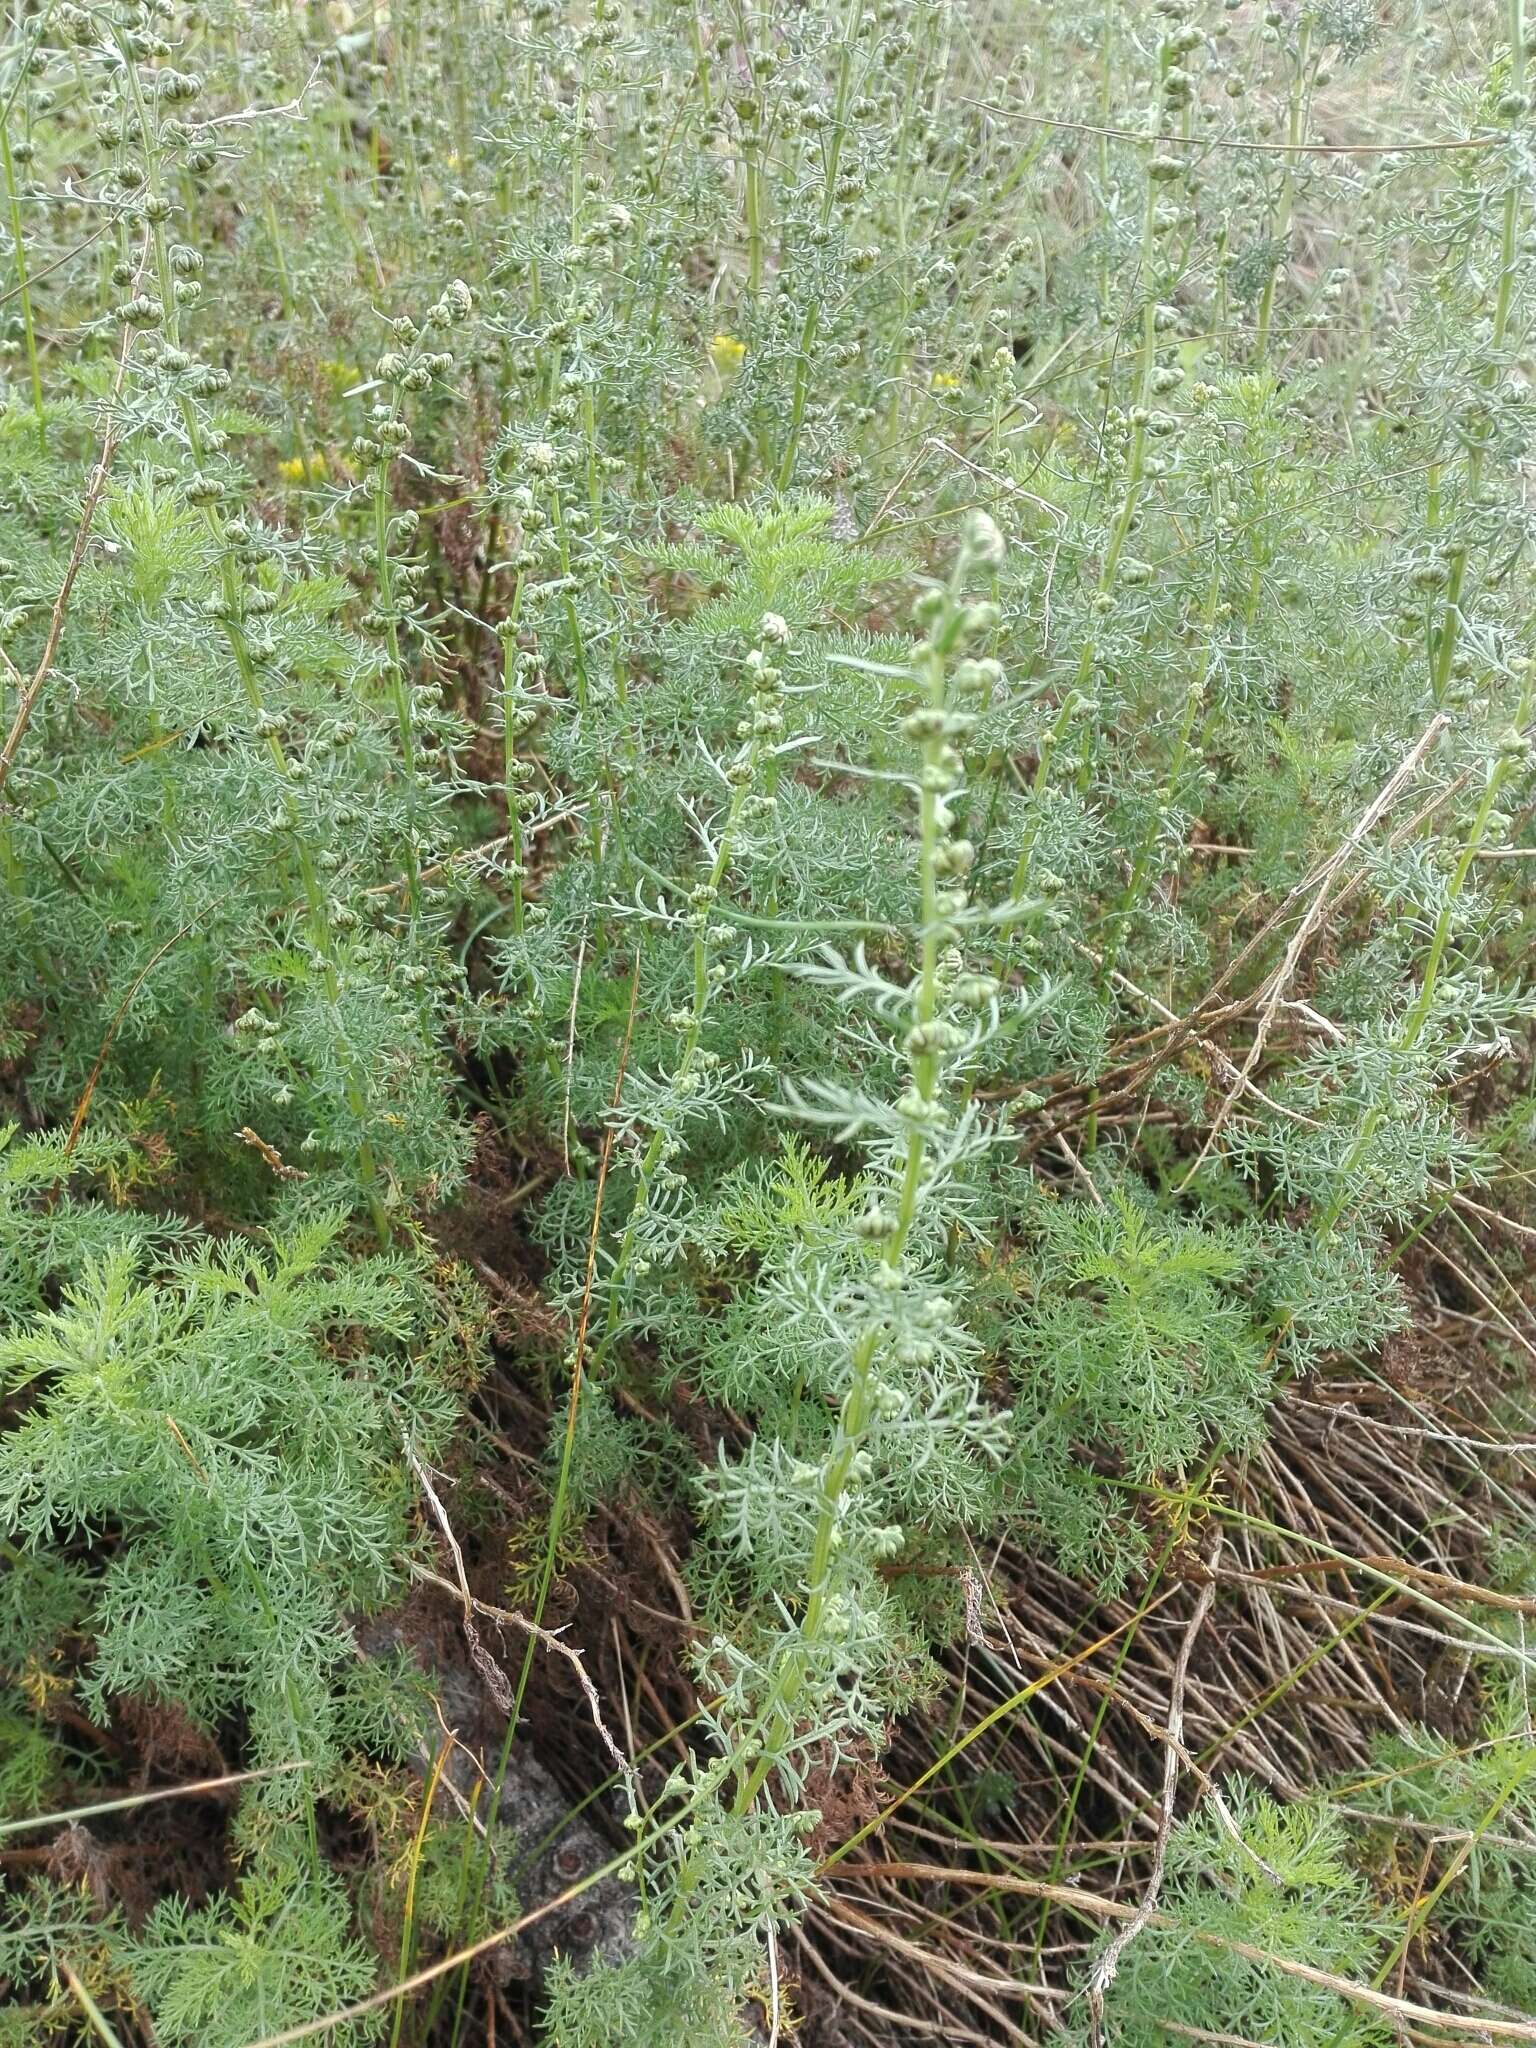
pixel 275 1952
pixel 490 684
pixel 282 1479
pixel 890 1420
pixel 1266 1874
pixel 1454 1786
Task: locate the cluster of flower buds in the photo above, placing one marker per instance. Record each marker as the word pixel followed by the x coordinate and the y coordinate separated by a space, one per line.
pixel 411 365
pixel 939 728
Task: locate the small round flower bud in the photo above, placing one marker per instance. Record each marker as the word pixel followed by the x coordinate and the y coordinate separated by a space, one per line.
pixel 984 542
pixel 955 857
pixel 938 1036
pixel 926 723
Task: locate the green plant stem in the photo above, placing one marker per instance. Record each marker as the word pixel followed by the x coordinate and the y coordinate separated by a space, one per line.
pixel 855 1412
pixel 1295 135
pixel 398 683
pixel 23 283
pixel 811 325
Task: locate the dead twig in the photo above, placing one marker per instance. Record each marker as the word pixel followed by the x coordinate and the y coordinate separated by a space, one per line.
pixel 495 1678
pixel 507 1617
pixel 1109 1962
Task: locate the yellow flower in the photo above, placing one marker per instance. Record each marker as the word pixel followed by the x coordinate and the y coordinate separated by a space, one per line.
pixel 298 469
pixel 341 372
pixel 944 380
pixel 727 353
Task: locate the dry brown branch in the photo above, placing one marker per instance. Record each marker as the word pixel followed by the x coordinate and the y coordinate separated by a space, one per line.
pixel 977 1985
pixel 506 1617
pixel 911 2023
pixel 1454 1589
pixel 1109 1961
pixel 495 1678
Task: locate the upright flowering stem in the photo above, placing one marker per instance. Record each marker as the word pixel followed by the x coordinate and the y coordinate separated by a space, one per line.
pixel 1296 114
pixel 746 775
pixel 23 281
pixel 811 325
pixel 942 858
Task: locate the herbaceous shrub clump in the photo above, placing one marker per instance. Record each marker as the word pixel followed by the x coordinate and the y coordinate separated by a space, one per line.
pixel 765 795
